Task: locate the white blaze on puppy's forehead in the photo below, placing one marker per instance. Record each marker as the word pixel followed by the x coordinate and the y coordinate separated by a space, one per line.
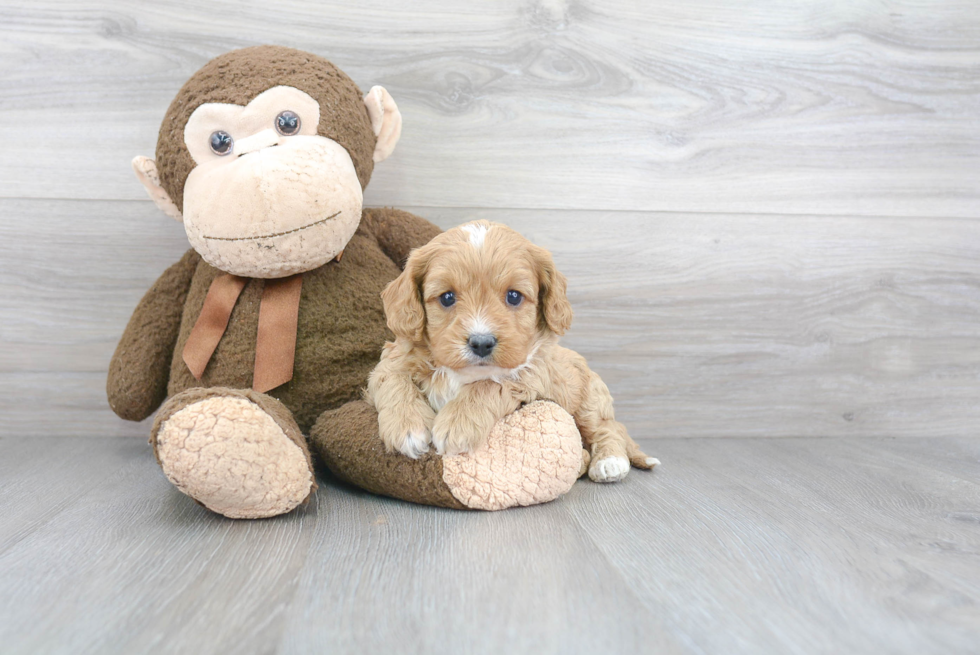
pixel 477 232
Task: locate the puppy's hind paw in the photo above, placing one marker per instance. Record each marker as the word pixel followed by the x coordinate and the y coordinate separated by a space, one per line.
pixel 609 469
pixel 641 460
pixel 415 444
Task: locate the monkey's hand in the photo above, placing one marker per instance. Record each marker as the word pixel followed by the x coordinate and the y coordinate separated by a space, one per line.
pixel 465 422
pixel 140 368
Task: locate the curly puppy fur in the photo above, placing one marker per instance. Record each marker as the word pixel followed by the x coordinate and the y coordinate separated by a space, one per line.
pixel 477 313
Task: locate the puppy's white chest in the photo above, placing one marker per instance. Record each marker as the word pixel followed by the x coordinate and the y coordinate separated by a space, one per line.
pixel 445 383
pixel 441 389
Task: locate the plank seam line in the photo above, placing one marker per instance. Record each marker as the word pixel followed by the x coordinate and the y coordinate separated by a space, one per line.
pixel 576 209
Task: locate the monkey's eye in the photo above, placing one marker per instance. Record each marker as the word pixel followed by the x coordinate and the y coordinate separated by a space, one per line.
pixel 287 123
pixel 221 143
pixel 514 298
pixel 447 299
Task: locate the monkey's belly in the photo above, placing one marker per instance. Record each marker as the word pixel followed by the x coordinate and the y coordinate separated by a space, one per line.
pixel 340 333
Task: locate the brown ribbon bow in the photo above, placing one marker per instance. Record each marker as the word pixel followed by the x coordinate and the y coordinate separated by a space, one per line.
pixel 275 345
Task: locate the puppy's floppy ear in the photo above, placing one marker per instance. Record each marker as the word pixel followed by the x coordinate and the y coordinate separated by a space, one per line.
pixel 402 299
pixel 555 309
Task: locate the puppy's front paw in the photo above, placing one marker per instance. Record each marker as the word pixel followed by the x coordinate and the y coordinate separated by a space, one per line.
pixel 407 432
pixel 414 444
pixel 453 436
pixel 609 469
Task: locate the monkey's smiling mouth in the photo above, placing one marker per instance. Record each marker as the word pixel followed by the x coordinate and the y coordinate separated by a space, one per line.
pixel 277 234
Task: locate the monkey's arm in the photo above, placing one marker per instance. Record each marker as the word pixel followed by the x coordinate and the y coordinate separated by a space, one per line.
pixel 140 368
pixel 398 232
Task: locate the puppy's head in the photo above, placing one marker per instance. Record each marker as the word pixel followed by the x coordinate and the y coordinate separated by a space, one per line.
pixel 478 295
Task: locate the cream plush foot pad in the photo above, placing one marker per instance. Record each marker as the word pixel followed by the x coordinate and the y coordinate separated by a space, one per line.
pixel 232 457
pixel 532 456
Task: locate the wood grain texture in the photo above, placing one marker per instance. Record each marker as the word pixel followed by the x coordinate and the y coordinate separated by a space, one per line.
pixel 106 574
pixel 473 582
pixel 702 325
pixel 819 107
pixel 802 529
pixel 735 546
pixel 764 210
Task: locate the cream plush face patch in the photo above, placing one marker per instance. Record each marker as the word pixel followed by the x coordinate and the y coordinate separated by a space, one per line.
pixel 242 122
pixel 269 197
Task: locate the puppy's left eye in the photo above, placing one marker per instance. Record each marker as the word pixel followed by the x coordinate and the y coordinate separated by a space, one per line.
pixel 514 298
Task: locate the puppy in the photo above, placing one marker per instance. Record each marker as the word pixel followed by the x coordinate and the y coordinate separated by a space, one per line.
pixel 476 314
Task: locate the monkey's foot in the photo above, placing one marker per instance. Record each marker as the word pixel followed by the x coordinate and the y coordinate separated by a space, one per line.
pixel 238 453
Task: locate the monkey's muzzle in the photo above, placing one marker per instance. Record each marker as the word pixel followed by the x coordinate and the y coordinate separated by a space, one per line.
pixel 278 211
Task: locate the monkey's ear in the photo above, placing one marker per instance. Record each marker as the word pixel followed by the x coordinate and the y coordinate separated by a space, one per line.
pixel 146 172
pixel 386 121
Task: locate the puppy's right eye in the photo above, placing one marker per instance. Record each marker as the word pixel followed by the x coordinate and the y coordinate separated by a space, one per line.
pixel 447 299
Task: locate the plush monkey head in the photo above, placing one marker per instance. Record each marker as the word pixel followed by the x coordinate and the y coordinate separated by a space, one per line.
pixel 264 155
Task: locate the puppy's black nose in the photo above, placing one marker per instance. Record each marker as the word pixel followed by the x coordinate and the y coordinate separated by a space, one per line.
pixel 482 344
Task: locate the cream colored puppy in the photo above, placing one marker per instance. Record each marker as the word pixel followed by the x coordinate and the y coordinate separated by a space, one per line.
pixel 476 314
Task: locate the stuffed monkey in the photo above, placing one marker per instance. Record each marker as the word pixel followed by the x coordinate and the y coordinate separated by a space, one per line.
pixel 273 320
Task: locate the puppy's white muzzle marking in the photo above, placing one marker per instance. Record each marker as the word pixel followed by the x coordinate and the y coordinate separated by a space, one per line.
pixel 480 325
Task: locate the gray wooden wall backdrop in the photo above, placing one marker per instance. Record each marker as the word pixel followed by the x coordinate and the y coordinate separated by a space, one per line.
pixel 767 210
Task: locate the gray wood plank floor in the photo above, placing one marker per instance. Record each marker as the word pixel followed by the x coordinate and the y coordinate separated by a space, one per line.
pixel 767 214
pixel 735 545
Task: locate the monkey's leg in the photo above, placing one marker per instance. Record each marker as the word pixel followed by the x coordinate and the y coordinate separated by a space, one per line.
pixel 531 456
pixel 237 452
pixel 347 440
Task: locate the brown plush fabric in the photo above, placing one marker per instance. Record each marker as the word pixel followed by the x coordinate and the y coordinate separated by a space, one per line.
pixel 279 413
pixel 138 372
pixel 396 233
pixel 347 441
pixel 341 324
pixel 339 337
pixel 237 77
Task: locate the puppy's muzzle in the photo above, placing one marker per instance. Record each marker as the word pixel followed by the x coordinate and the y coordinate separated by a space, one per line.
pixel 482 345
